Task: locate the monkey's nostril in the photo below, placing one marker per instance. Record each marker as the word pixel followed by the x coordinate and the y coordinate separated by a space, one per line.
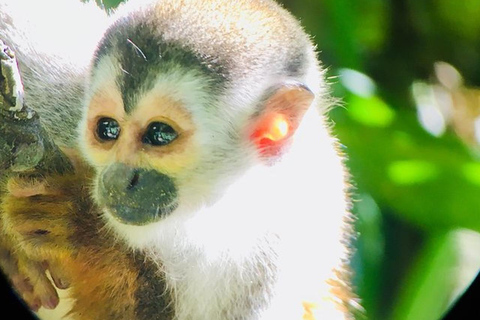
pixel 134 180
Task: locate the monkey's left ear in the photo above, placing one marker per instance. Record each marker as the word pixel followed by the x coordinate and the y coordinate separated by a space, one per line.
pixel 279 117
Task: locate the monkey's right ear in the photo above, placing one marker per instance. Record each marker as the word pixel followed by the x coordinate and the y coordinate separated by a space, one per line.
pixel 279 117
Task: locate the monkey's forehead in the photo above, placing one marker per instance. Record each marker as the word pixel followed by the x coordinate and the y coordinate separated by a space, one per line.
pixel 224 40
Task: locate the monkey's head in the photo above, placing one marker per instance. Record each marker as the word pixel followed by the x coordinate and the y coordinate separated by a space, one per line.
pixel 178 105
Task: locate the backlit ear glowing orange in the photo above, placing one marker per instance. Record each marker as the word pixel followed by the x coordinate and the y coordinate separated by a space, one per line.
pixel 274 128
pixel 282 113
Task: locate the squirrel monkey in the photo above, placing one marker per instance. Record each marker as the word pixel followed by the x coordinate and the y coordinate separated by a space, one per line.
pixel 207 184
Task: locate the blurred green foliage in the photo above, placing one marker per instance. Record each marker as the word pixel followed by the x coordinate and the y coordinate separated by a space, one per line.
pixel 411 189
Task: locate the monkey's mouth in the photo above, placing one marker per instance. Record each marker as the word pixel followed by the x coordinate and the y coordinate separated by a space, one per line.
pixel 135 215
pixel 136 196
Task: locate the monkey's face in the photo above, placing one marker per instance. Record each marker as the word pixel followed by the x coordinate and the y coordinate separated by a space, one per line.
pixel 156 151
pixel 139 155
pixel 142 154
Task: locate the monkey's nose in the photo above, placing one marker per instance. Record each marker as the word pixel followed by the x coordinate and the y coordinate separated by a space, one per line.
pixel 134 180
pixel 135 195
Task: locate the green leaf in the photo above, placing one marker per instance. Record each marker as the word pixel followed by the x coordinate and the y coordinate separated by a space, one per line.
pixel 410 172
pixel 471 172
pixel 370 111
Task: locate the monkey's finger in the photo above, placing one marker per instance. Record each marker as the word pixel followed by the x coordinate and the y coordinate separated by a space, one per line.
pixel 32 301
pixel 21 283
pixel 59 277
pixel 9 265
pixel 29 280
pixel 42 286
pixel 45 290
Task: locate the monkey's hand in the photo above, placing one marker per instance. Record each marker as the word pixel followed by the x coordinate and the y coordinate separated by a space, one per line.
pixel 39 218
pixel 29 277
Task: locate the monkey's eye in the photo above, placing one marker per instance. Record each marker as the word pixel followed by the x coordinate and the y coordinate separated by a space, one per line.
pixel 159 134
pixel 108 129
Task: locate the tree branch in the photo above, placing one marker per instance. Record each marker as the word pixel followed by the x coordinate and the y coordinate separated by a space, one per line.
pixel 25 146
